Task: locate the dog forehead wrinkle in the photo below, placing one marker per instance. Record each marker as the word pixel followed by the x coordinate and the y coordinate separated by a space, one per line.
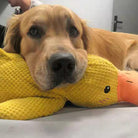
pixel 39 21
pixel 69 21
pixel 41 16
pixel 60 13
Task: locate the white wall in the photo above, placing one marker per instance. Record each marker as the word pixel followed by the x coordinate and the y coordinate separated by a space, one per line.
pixel 98 13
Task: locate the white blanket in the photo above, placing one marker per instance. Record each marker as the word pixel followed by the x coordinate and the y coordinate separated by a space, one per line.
pixel 118 121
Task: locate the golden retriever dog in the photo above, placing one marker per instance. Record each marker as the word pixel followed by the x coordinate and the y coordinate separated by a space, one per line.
pixel 55 42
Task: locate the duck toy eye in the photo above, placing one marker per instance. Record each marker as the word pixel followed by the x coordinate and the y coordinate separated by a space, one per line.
pixel 107 89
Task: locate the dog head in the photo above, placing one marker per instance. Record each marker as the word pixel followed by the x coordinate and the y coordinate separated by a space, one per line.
pixel 53 41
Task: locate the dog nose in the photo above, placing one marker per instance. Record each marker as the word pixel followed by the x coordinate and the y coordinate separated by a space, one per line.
pixel 62 63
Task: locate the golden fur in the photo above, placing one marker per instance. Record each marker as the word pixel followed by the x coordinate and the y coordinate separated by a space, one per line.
pixel 119 48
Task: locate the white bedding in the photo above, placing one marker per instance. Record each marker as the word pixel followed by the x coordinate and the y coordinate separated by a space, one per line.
pixel 118 121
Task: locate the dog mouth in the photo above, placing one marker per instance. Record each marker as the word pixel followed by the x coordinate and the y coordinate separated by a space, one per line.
pixel 60 81
pixel 53 80
pixel 56 83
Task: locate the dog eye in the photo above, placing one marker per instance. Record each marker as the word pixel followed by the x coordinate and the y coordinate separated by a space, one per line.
pixel 73 32
pixel 35 32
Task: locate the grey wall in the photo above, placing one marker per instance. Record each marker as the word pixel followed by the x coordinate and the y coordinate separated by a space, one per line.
pixel 98 13
pixel 5 11
pixel 127 11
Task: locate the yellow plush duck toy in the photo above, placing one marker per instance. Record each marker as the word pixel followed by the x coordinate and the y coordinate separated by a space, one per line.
pixel 101 85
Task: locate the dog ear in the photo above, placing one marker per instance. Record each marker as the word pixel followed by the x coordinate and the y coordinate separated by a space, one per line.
pixel 12 36
pixel 86 35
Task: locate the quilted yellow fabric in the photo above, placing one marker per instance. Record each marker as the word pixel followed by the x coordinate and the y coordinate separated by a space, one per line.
pixel 21 99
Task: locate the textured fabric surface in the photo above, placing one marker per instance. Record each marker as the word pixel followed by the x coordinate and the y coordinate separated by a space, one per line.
pixel 89 91
pixel 20 97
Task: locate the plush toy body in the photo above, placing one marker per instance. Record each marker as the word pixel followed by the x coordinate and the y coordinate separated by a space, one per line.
pixel 102 85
